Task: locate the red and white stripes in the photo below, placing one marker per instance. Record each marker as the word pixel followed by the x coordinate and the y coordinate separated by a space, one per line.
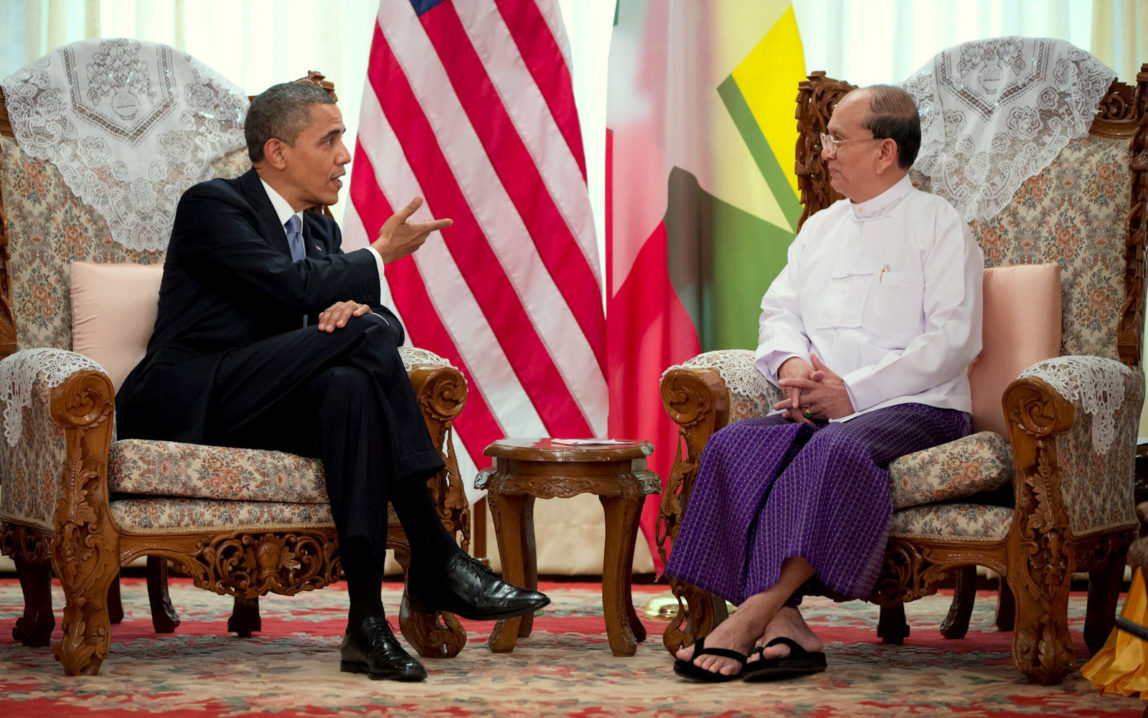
pixel 470 106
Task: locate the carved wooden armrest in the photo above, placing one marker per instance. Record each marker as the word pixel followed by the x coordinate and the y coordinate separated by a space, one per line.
pixel 441 393
pixel 1081 412
pixel 701 396
pixel 48 395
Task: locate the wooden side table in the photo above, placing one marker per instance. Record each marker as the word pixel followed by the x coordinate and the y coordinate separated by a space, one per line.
pixel 526 469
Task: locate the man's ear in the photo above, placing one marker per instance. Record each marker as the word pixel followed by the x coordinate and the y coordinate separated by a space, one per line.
pixel 887 157
pixel 273 153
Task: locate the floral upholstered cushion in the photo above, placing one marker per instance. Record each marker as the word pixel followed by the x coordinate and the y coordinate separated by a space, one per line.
pixel 30 471
pixel 168 468
pixel 145 515
pixel 977 522
pixel 972 465
pixel 48 229
pixel 1072 213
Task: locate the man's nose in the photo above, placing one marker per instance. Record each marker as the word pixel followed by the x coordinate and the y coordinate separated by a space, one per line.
pixel 344 155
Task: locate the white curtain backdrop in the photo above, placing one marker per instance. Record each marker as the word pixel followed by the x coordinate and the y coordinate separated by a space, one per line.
pixel 256 43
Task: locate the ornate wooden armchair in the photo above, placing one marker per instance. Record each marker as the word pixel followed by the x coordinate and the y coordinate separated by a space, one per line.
pixel 1069 499
pixel 74 496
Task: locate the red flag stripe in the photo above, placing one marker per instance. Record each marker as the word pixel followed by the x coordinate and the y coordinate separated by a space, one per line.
pixel 480 266
pixel 476 427
pixel 457 309
pixel 538 47
pixel 515 166
pixel 553 319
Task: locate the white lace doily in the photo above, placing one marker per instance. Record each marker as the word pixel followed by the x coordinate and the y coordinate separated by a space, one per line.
pixel 129 124
pixel 413 356
pixel 18 374
pixel 737 370
pixel 1095 382
pixel 996 112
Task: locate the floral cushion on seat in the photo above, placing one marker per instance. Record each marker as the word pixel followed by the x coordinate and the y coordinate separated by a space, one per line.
pixel 168 468
pixel 975 464
pixel 969 522
pixel 160 515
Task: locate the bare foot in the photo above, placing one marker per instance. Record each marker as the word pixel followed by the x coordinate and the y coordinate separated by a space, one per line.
pixel 736 633
pixel 788 623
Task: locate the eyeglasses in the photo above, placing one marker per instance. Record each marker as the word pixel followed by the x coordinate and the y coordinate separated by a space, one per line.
pixel 831 143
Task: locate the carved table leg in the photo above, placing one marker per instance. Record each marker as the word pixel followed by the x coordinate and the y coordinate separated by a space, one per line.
pixel 956 623
pixel 245 618
pixel 622 625
pixel 529 561
pixel 34 628
pixel 509 513
pixel 164 617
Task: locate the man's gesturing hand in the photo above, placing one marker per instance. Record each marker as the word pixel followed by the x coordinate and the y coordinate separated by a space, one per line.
pixel 398 237
pixel 336 316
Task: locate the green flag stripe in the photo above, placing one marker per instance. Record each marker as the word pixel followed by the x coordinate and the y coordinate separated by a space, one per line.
pixel 760 150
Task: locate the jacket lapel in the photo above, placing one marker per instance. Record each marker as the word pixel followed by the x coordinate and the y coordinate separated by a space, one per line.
pixel 269 228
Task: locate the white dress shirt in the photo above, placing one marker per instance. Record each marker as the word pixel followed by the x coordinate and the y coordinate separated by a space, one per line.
pixel 283 211
pixel 887 293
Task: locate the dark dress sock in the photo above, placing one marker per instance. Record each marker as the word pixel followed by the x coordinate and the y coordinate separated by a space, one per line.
pixel 430 542
pixel 364 579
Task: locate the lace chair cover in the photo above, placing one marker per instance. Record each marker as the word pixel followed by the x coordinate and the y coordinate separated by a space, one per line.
pixel 129 124
pixel 996 112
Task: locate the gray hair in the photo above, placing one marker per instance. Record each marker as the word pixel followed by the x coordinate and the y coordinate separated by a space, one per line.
pixel 281 112
pixel 893 115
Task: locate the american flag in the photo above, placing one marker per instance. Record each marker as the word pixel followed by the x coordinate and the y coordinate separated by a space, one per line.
pixel 469 104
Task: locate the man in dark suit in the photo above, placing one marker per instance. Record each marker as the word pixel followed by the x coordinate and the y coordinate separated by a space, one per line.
pixel 269 336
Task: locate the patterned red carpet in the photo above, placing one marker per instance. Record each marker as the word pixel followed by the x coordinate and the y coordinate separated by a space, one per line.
pixel 564 669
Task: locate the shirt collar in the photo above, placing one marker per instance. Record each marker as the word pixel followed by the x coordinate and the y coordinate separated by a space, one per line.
pixel 883 203
pixel 282 207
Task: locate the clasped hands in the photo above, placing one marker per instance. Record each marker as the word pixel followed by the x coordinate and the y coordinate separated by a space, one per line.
pixel 397 239
pixel 811 391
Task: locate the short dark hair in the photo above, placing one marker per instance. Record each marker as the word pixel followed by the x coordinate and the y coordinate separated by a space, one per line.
pixel 893 115
pixel 281 112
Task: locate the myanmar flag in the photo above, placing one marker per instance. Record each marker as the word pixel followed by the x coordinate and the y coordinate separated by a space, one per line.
pixel 701 194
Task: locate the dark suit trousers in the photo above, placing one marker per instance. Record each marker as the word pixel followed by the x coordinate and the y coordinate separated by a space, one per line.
pixel 343 397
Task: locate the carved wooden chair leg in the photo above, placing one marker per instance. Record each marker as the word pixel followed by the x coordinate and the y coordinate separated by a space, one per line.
pixel 1100 616
pixel 163 614
pixel 438 635
pixel 87 631
pixel 34 628
pixel 115 602
pixel 892 626
pixel 245 618
pixel 956 624
pixel 1006 607
pixel 698 614
pixel 1041 643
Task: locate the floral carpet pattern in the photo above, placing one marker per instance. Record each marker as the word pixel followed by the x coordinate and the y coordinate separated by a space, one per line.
pixel 565 668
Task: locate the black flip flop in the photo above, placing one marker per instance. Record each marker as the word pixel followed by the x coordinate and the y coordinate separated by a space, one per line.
pixel 688 669
pixel 799 662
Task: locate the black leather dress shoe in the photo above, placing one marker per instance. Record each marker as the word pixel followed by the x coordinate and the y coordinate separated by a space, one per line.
pixel 467 588
pixel 371 648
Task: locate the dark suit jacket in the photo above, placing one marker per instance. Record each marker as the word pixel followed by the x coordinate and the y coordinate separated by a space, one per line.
pixel 229 281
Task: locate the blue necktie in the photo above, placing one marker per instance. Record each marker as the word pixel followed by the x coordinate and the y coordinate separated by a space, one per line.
pixel 295 238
